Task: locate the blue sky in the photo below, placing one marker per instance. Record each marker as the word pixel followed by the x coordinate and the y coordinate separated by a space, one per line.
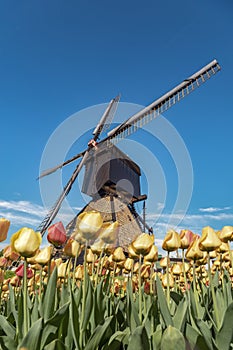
pixel 58 58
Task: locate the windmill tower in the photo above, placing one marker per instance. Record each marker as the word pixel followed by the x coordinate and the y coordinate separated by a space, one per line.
pixel 112 179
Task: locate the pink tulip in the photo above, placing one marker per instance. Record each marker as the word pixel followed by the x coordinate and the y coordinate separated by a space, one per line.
pixel 57 234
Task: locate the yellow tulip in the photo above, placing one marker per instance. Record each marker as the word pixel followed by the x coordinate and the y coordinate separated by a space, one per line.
pixel 226 234
pixel 118 255
pixel 63 268
pixel 90 256
pixel 170 281
pixel 97 247
pixel 79 272
pixel 186 237
pixel 77 235
pixel 143 243
pixel 128 265
pixel 193 252
pixel 177 268
pixel 209 240
pixel 89 224
pixel 4 227
pixel 171 241
pixel 44 256
pixel 26 242
pixel 109 232
pixel 132 253
pixel 164 262
pixel 152 256
pixel 224 247
pixel 71 248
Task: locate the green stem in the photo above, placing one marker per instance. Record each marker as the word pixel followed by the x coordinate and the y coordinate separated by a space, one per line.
pixel 151 276
pixel 25 296
pixel 213 295
pixel 98 267
pixel 83 298
pixel 168 284
pixel 74 267
pixel 140 288
pixel 195 290
pixel 185 277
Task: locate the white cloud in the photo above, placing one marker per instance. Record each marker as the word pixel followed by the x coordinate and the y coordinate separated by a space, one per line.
pixel 213 209
pixel 25 213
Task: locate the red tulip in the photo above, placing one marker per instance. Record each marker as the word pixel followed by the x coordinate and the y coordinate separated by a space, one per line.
pixel 57 234
pixel 19 271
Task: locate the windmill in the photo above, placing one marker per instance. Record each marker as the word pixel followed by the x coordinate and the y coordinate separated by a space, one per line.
pixel 111 178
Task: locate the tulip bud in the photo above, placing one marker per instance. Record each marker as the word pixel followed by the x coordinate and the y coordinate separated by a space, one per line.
pixel 98 247
pixel 4 227
pixel 79 272
pixel 224 247
pixel 20 270
pixel 164 262
pixel 118 255
pixel 193 252
pixel 132 253
pixel 89 224
pixel 90 256
pixel 9 254
pixel 44 256
pixel 62 270
pixel 143 243
pixel 128 265
pixel 171 241
pixel 26 242
pixel 226 234
pixel 177 268
pixel 72 248
pixel 209 240
pixel 186 237
pixel 170 280
pixel 152 256
pixel 109 232
pixel 57 234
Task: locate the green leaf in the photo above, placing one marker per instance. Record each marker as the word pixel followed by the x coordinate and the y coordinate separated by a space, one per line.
pixel 20 316
pixel 118 339
pixel 7 343
pixel 156 338
pixel 101 334
pixel 191 335
pixel 180 315
pixel 225 335
pixel 50 295
pixel 55 345
pixel 172 339
pixel 35 312
pixel 74 321
pixel 131 311
pixel 12 303
pixel 139 339
pixel 59 315
pixel 163 304
pixel 7 327
pixel 205 331
pixel 33 337
pixel 176 297
pixel 89 304
pixel 48 335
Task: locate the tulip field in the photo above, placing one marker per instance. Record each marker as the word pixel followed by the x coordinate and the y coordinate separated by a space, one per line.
pixel 83 292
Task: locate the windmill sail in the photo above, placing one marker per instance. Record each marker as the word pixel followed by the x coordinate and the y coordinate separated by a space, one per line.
pixel 54 210
pixel 129 126
pixel 163 103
